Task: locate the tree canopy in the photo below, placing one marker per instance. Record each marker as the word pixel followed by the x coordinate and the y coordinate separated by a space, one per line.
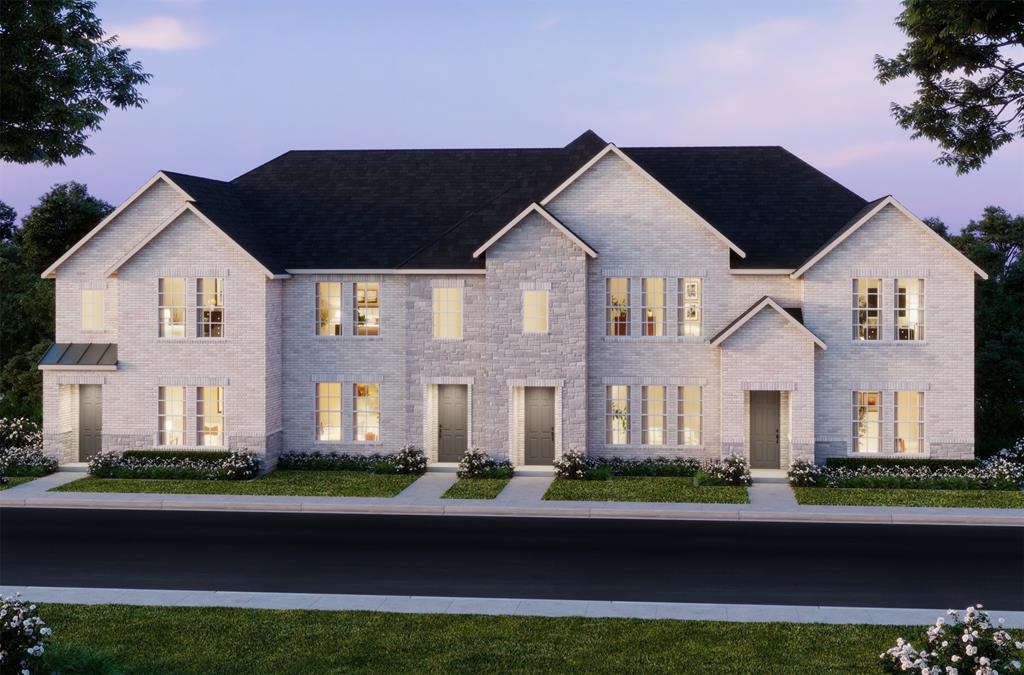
pixel 970 90
pixel 60 74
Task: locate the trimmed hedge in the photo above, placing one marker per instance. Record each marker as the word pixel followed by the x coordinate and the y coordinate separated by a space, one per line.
pixel 861 462
pixel 199 455
pixel 410 460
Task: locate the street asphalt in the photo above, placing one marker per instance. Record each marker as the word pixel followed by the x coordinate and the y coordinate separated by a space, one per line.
pixel 846 565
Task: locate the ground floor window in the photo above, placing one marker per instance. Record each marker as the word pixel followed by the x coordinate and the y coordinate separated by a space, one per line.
pixel 171 416
pixel 653 415
pixel 617 414
pixel 908 414
pixel 210 416
pixel 867 421
pixel 366 412
pixel 690 415
pixel 328 411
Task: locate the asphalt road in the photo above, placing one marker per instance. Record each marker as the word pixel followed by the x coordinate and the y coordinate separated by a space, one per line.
pixel 671 561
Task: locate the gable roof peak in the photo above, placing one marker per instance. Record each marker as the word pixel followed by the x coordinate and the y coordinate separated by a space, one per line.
pixel 587 139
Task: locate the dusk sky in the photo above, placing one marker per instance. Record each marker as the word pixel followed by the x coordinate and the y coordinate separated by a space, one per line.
pixel 237 83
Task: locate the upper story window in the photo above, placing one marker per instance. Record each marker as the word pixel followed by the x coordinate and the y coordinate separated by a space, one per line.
pixel 654 305
pixel 365 412
pixel 447 312
pixel 617 414
pixel 366 308
pixel 171 416
pixel 617 302
pixel 867 421
pixel 690 307
pixel 908 309
pixel 328 411
pixel 171 292
pixel 92 309
pixel 908 413
pixel 690 415
pixel 652 414
pixel 867 309
pixel 535 311
pixel 328 308
pixel 209 307
pixel 210 416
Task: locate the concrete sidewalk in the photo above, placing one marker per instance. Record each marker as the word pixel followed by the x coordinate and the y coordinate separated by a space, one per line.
pixel 770 501
pixel 494 606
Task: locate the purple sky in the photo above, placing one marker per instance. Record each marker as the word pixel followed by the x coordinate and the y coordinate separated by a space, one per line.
pixel 237 83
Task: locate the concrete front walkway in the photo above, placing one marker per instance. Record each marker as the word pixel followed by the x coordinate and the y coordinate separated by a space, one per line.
pixel 770 499
pixel 494 606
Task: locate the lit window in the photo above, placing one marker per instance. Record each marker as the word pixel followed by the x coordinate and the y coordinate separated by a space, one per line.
pixel 909 416
pixel 617 302
pixel 172 306
pixel 447 312
pixel 689 415
pixel 367 308
pixel 328 411
pixel 171 415
pixel 92 309
pixel 366 412
pixel 908 309
pixel 209 307
pixel 690 307
pixel 867 309
pixel 867 421
pixel 654 305
pixel 328 308
pixel 535 311
pixel 617 414
pixel 210 416
pixel 653 415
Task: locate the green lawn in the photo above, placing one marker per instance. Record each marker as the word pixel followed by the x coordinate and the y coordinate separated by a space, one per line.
pixel 476 488
pixel 998 499
pixel 172 640
pixel 15 480
pixel 644 489
pixel 299 483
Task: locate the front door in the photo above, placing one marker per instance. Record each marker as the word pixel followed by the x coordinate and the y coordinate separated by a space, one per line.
pixel 90 420
pixel 764 430
pixel 540 425
pixel 452 438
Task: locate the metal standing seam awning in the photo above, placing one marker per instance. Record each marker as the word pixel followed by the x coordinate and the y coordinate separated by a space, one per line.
pixel 80 356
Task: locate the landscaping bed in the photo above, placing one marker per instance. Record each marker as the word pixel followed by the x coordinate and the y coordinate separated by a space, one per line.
pixel 476 488
pixel 989 499
pixel 645 489
pixel 137 640
pixel 12 481
pixel 293 483
pixel 21 450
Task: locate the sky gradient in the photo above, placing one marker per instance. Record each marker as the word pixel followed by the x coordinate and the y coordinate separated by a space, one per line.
pixel 237 83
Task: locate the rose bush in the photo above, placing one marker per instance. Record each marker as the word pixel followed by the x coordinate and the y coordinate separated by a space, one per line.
pixel 478 464
pixel 23 637
pixel 20 432
pixel 21 449
pixel 172 466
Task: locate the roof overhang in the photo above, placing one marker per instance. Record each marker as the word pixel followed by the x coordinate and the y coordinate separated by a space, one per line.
pixel 540 210
pixel 612 149
pixel 80 356
pixel 754 310
pixel 857 224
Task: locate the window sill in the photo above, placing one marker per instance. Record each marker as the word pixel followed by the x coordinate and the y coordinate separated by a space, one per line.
pixel 447 338
pixel 641 446
pixel 191 448
pixel 693 339
pixel 889 342
pixel 191 340
pixel 536 333
pixel 889 455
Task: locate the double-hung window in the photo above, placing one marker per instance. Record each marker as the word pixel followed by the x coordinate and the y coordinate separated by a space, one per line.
pixel 867 421
pixel 908 413
pixel 92 309
pixel 365 412
pixel 366 308
pixel 171 416
pixel 447 312
pixel 535 311
pixel 617 414
pixel 328 411
pixel 689 415
pixel 690 306
pixel 210 416
pixel 867 309
pixel 209 307
pixel 908 309
pixel 654 306
pixel 653 414
pixel 617 303
pixel 171 303
pixel 328 308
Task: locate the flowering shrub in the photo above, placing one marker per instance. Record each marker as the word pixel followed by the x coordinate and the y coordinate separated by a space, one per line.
pixel 20 432
pixel 188 466
pixel 409 460
pixel 805 474
pixel 25 462
pixel 577 466
pixel 1001 472
pixel 478 464
pixel 23 636
pixel 571 466
pixel 732 470
pixel 971 645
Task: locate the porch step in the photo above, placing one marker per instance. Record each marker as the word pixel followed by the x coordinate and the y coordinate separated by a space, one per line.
pixel 77 467
pixel 769 476
pixel 442 467
pixel 541 471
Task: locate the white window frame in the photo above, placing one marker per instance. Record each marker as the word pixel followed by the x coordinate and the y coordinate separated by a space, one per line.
pixel 202 415
pixel 205 324
pixel 165 311
pixel 330 405
pixel 534 322
pixel 365 326
pixel 682 435
pixel 861 439
pixel 655 326
pixel 358 426
pixel 919 422
pixel 611 309
pixel 918 328
pixel 447 303
pixel 93 319
pixel 327 323
pixel 653 434
pixel 691 326
pixel 861 329
pixel 163 416
pixel 617 415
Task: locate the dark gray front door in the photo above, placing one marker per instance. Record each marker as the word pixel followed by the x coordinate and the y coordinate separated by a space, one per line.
pixel 764 429
pixel 90 420
pixel 452 438
pixel 540 425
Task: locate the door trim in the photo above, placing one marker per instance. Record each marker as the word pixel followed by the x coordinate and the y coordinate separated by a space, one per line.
pixel 517 417
pixel 430 413
pixel 767 395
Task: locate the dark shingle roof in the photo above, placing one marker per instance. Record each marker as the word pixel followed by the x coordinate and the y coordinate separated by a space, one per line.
pixel 80 354
pixel 387 209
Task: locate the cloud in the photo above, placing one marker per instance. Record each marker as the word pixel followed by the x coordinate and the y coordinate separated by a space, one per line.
pixel 163 33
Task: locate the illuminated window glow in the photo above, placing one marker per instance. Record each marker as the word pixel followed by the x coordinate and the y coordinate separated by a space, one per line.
pixel 328 411
pixel 92 309
pixel 210 416
pixel 366 412
pixel 690 307
pixel 447 312
pixel 652 414
pixel 867 421
pixel 366 310
pixel 171 415
pixel 690 415
pixel 328 308
pixel 171 301
pixel 209 307
pixel 535 311
pixel 617 414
